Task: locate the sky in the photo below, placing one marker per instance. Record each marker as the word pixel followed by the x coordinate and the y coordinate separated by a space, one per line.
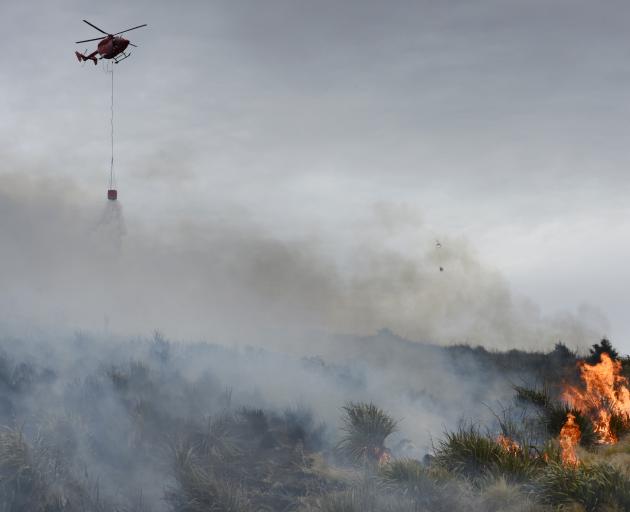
pixel 495 126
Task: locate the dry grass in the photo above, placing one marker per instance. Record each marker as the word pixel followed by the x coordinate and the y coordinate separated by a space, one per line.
pixel 593 486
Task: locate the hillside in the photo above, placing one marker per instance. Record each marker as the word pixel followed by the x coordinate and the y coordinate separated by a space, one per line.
pixel 377 423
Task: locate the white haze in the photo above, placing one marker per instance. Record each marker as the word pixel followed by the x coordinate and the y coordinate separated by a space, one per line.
pixel 426 389
pixel 71 265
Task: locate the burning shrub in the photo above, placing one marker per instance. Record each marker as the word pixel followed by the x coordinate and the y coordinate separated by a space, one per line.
pixel 366 427
pixel 468 453
pixel 556 418
pixel 569 438
pixel 604 397
pixel 508 444
pixel 553 413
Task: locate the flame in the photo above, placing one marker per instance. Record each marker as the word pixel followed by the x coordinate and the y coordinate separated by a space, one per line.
pixel 385 458
pixel 605 392
pixel 569 438
pixel 601 426
pixel 509 445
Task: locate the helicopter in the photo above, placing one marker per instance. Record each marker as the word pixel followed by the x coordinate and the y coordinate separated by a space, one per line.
pixel 111 46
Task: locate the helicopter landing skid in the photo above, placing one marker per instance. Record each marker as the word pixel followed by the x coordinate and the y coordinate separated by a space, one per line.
pixel 126 56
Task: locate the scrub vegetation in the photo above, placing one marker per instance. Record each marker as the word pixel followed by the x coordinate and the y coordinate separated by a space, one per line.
pixel 145 425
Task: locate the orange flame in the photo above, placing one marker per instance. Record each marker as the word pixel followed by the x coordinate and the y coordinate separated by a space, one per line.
pixel 605 393
pixel 385 458
pixel 509 445
pixel 569 438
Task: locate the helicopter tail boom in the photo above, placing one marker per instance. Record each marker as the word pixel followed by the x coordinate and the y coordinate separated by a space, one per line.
pixel 82 58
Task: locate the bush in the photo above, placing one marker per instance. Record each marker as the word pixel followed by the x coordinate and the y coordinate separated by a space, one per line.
pixel 35 479
pixel 592 486
pixel 199 489
pixel 365 497
pixel 20 484
pixel 554 413
pixel 409 472
pixel 500 496
pixel 603 347
pixel 470 454
pixel 366 427
pixel 429 489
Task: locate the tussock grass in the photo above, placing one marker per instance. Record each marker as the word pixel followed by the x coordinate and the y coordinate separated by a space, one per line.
pixel 366 427
pixel 622 447
pixel 593 486
pixel 468 453
pixel 429 488
pixel 553 413
pixel 366 496
pixel 20 482
pixel 218 442
pixel 199 489
pixel 36 479
pixel 501 496
pixel 409 472
pixel 539 397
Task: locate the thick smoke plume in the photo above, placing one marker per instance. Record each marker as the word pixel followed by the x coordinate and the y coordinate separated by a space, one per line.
pixel 232 281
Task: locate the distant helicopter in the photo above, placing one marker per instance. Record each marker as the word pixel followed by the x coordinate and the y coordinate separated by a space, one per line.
pixel 110 46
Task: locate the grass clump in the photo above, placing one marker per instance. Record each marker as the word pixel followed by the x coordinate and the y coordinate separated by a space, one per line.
pixel 553 413
pixel 409 472
pixel 594 486
pixel 366 496
pixel 34 477
pixel 429 489
pixel 366 427
pixel 200 489
pixel 501 496
pixel 468 453
pixel 20 483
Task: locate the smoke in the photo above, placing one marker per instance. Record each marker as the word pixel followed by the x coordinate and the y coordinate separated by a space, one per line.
pixel 67 266
pixel 111 407
pixel 71 266
pixel 200 280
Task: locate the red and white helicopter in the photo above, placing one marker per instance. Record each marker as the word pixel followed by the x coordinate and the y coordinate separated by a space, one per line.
pixel 110 46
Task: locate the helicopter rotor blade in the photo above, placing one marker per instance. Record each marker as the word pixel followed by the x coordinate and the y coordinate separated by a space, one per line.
pixel 88 40
pixel 94 26
pixel 133 28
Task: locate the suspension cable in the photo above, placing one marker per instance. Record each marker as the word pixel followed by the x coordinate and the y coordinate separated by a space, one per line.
pixel 111 166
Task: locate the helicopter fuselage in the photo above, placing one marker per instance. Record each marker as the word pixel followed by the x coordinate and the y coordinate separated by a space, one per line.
pixel 112 46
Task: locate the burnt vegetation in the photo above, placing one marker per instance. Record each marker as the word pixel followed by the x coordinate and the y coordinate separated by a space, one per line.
pixel 149 425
